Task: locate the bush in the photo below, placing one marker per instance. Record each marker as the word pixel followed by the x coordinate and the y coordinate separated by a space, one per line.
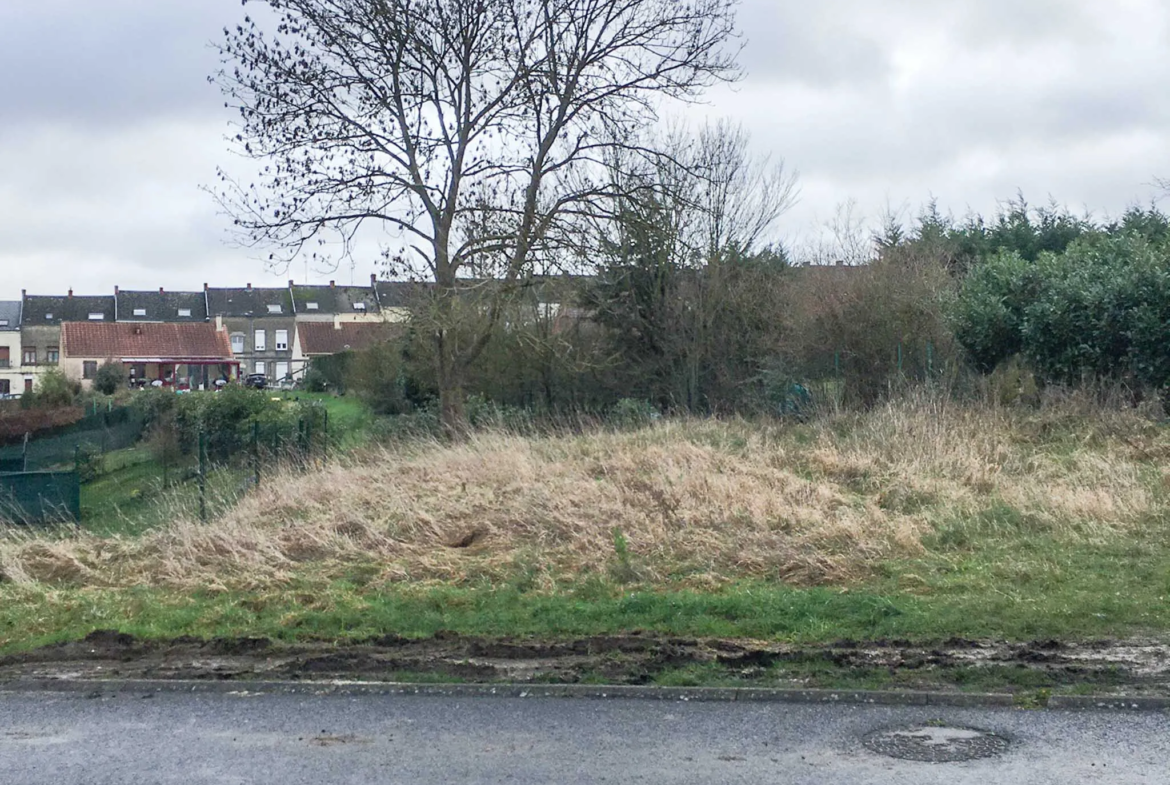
pixel 1099 310
pixel 859 332
pixel 110 378
pixel 54 390
pixel 378 377
pixel 633 413
pixel 88 462
pixel 315 380
pixel 989 313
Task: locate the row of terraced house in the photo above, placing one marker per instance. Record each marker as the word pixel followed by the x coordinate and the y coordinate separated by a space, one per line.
pixel 192 340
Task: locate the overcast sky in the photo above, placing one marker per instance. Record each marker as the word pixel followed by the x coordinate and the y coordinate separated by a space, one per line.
pixel 108 127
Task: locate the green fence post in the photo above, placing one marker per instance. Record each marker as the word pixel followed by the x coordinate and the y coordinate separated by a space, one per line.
pixel 325 453
pixel 256 452
pixel 899 357
pixel 202 477
pixel 930 358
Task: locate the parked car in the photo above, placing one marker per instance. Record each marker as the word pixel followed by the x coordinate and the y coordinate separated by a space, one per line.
pixel 256 381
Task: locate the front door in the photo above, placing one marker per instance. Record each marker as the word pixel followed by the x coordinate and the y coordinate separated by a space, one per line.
pixel 28 385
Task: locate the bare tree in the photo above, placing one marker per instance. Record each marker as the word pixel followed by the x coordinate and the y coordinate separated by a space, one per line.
pixel 741 196
pixel 471 129
pixel 683 271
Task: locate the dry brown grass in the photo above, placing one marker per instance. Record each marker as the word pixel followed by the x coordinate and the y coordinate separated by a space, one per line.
pixel 702 502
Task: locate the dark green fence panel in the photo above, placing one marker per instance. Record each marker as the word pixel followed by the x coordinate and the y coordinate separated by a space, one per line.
pixel 57 449
pixel 40 497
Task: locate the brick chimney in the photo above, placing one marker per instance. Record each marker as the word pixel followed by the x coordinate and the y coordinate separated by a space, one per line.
pixel 70 292
pixel 160 290
pixel 249 286
pixel 332 284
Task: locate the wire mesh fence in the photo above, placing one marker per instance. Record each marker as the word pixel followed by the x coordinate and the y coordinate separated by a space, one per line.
pixel 42 477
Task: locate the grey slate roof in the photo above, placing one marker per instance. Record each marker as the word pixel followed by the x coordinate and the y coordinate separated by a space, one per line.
pixel 160 306
pixel 249 302
pixel 399 294
pixel 39 310
pixel 9 316
pixel 334 299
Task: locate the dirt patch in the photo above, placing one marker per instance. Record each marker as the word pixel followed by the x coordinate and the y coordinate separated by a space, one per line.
pixel 1113 666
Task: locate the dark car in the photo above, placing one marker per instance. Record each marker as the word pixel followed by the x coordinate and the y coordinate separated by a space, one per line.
pixel 256 380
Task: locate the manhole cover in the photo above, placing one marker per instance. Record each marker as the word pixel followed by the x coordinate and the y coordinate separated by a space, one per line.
pixel 936 743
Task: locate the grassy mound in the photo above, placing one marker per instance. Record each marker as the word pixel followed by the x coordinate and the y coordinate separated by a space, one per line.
pixel 978 508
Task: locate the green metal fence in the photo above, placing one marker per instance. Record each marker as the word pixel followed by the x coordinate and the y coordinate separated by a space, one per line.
pixel 99 433
pixel 34 498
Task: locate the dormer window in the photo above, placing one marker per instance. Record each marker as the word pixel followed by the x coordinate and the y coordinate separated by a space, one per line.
pixel 140 312
pixel 275 309
pixel 312 306
pixel 3 322
pixel 97 317
pixel 48 317
pixel 185 313
pixel 359 306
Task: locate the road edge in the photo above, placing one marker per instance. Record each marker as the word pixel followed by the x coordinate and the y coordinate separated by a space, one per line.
pixel 103 687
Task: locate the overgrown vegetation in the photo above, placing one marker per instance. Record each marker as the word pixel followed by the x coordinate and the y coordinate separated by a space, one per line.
pixel 922 518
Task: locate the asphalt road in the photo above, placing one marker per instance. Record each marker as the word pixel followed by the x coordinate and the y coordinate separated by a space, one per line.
pixel 227 739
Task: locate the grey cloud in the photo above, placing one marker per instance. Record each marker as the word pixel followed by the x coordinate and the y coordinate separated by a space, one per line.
pixel 817 44
pixel 108 127
pixel 108 61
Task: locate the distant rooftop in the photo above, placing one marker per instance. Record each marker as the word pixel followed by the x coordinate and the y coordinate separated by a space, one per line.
pixel 161 306
pixel 9 315
pixel 249 302
pixel 53 310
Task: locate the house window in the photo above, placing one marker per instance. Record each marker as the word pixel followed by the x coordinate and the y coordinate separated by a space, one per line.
pixel 184 313
pixel 5 387
pixel 89 369
pixel 30 357
pixel 97 317
pixel 281 340
pixel 52 355
pixel 5 360
pixel 260 366
pixel 312 306
pixel 275 309
pixel 48 317
pixel 3 322
pixel 359 306
pixel 140 312
pixel 260 343
pixel 281 370
pixel 237 343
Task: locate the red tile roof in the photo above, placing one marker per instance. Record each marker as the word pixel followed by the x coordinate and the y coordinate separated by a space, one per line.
pixel 144 341
pixel 322 338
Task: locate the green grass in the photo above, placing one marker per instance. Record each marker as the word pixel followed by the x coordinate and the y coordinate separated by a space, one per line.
pixel 997 572
pixel 125 497
pixel 349 417
pixel 134 493
pixel 346 611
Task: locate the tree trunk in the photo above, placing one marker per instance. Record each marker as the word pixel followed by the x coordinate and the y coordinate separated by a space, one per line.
pixel 452 409
pixel 452 412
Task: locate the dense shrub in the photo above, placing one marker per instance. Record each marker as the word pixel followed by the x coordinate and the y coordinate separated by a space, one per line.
pixel 1101 309
pixel 110 377
pixel 54 390
pixel 989 314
